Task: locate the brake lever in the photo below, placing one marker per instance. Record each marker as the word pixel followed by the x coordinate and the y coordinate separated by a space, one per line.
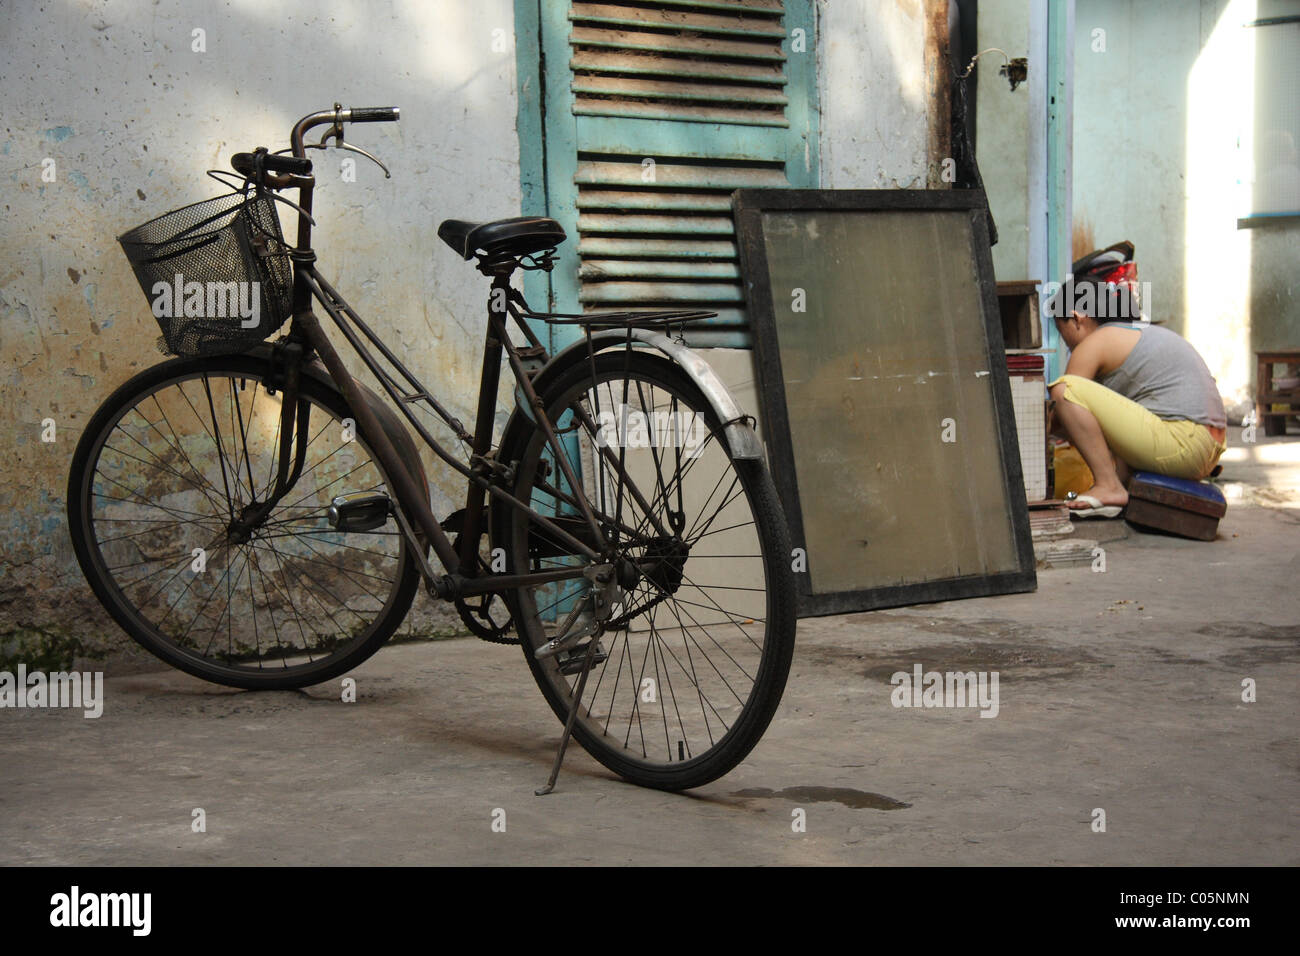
pixel 336 132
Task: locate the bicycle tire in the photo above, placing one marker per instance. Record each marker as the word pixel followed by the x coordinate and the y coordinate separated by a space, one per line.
pixel 341 655
pixel 667 770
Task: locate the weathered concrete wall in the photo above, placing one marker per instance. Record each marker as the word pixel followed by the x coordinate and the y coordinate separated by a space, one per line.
pixel 871 84
pixel 1002 133
pixel 131 114
pixel 1161 146
pixel 1131 63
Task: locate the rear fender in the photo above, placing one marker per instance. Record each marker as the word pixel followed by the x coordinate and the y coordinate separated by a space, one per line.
pixel 742 440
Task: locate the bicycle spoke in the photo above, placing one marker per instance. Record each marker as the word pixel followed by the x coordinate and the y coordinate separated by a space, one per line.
pixel 177 445
pixel 198 487
pixel 221 448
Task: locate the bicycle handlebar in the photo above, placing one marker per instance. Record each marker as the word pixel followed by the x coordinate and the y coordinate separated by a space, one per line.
pixel 337 117
pixel 257 164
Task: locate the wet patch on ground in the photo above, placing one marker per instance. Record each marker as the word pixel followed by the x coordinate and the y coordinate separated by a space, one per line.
pixel 847 796
pixel 1251 630
pixel 982 628
pixel 1011 661
pixel 1275 643
pixel 1262 654
pixel 1287 752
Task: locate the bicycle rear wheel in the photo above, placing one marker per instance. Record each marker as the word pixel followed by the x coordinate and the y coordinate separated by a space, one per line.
pixel 162 471
pixel 693 661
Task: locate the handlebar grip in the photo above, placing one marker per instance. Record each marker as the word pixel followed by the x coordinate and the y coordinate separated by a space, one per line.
pixel 246 163
pixel 373 114
pixel 286 164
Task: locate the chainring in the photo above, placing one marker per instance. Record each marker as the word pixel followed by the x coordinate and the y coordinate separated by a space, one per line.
pixel 480 619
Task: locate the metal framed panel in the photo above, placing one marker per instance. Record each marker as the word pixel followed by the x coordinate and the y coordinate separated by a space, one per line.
pixel 898 341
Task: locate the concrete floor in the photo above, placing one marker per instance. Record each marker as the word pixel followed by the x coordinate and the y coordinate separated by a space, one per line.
pixel 1118 690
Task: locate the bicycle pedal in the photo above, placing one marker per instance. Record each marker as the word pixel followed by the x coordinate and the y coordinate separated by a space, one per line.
pixel 362 511
pixel 571 661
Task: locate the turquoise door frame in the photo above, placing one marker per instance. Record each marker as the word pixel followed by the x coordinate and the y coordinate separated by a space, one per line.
pixel 1060 146
pixel 551 136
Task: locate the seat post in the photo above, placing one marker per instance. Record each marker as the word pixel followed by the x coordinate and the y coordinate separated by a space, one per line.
pixel 499 265
pixel 490 379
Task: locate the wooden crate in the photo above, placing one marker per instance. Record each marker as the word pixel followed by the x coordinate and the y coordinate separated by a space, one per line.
pixel 1018 303
pixel 1268 393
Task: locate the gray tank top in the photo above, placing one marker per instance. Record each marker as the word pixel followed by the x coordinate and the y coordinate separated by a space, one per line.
pixel 1165 375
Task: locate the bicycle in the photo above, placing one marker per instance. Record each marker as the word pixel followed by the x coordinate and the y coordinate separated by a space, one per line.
pixel 253 515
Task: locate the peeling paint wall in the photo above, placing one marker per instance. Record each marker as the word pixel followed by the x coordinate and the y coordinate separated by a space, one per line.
pixel 131 113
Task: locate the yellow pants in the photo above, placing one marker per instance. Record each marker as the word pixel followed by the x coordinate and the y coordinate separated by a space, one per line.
pixel 1143 440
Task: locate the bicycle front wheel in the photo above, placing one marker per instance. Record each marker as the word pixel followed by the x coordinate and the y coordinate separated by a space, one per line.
pixel 160 479
pixel 693 660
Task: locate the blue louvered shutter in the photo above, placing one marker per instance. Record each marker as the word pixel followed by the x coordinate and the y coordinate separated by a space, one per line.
pixel 653 112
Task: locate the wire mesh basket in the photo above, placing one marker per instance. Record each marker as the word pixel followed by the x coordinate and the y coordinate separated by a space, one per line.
pixel 217 274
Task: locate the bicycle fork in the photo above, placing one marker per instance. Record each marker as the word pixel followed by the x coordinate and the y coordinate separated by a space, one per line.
pixel 295 418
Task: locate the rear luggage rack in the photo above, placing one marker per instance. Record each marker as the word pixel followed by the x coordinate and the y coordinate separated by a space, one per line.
pixel 596 321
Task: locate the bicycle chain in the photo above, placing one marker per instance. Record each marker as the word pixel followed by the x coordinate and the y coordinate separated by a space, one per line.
pixel 623 620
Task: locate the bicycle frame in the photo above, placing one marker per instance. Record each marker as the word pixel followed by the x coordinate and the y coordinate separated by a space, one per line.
pixel 414 514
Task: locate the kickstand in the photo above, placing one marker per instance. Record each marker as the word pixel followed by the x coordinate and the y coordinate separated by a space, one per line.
pixel 573 713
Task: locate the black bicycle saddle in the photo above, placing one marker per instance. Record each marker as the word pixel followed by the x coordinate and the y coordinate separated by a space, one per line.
pixel 517 237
